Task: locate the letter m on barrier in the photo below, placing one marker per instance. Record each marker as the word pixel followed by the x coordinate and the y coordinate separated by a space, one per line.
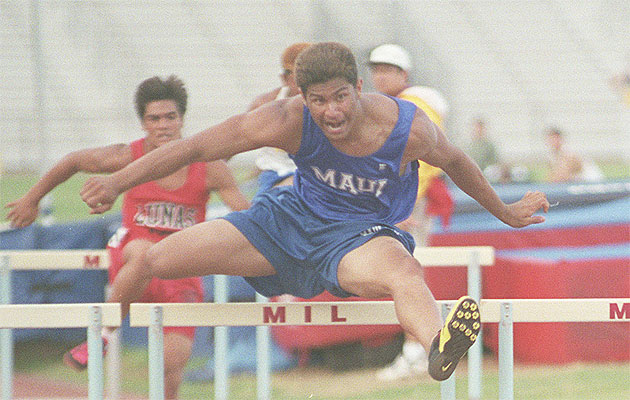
pixel 616 313
pixel 279 317
pixel 91 261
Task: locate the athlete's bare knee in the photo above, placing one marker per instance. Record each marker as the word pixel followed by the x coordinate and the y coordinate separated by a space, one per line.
pixel 155 261
pixel 408 277
pixel 134 257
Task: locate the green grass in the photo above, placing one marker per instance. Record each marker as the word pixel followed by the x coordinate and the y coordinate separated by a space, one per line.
pixel 67 204
pixel 573 381
pixel 616 171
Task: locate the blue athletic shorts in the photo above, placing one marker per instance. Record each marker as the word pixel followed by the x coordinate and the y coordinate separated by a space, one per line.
pixel 304 249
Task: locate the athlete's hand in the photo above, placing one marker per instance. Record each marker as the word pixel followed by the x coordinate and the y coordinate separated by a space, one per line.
pixel 99 193
pixel 521 213
pixel 22 212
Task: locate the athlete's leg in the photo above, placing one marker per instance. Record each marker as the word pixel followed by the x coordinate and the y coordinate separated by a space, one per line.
pixel 127 286
pixel 382 267
pixel 412 359
pixel 133 277
pixel 212 247
pixel 177 351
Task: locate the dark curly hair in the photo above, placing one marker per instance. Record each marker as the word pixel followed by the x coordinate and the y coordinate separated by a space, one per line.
pixel 156 88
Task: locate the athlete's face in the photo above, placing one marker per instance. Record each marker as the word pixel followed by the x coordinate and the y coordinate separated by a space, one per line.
pixel 162 123
pixel 334 106
pixel 388 79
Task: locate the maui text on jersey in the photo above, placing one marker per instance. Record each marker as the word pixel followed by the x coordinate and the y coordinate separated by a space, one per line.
pixel 349 182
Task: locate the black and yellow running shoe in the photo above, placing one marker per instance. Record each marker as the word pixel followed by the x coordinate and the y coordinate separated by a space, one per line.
pixel 455 338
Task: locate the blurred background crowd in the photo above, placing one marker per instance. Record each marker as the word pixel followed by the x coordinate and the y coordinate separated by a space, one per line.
pixel 510 71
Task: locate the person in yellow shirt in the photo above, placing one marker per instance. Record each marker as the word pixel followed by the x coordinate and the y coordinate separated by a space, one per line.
pixel 390 65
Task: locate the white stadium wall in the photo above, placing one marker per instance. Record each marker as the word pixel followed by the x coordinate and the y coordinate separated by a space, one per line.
pixel 70 69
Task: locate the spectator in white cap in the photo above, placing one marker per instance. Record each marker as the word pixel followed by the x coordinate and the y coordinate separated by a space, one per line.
pixel 390 65
pixel 391 54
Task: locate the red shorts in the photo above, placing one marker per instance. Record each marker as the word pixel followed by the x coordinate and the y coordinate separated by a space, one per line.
pixel 187 290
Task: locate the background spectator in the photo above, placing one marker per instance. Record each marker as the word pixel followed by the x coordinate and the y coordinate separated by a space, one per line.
pixel 482 149
pixel 567 166
pixel 621 84
pixel 484 152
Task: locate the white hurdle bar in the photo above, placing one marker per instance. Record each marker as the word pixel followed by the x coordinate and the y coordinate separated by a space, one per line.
pixel 92 316
pixel 155 316
pixel 472 257
pixel 84 259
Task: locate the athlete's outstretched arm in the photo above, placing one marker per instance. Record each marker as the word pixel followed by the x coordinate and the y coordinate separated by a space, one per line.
pixel 277 124
pixel 24 211
pixel 429 144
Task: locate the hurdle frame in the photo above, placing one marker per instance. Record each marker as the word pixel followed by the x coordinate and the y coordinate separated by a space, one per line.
pixel 91 316
pixel 60 259
pixel 471 257
pixel 505 312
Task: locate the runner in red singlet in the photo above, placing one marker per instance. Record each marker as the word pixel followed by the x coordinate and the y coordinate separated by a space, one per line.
pixel 151 212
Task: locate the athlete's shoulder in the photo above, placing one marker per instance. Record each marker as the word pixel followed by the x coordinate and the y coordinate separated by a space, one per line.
pixel 275 124
pixel 378 103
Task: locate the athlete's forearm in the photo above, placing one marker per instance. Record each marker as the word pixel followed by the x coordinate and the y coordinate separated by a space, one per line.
pixel 234 199
pixel 59 173
pixel 469 178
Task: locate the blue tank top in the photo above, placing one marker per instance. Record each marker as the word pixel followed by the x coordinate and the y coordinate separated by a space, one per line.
pixel 340 187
